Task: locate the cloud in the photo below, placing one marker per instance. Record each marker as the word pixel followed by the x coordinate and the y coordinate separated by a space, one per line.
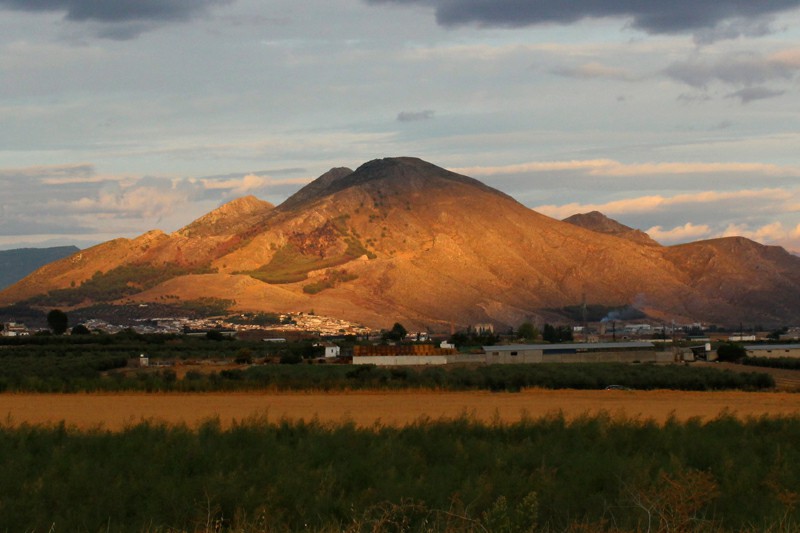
pixel 738 68
pixel 768 233
pixel 242 185
pixel 119 19
pixel 415 116
pixel 773 233
pixel 748 94
pixel 687 232
pixel 594 70
pixel 140 201
pixel 652 203
pixel 51 174
pixel 708 20
pixel 610 167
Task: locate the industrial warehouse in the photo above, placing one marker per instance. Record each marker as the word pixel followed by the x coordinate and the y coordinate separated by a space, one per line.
pixel 625 352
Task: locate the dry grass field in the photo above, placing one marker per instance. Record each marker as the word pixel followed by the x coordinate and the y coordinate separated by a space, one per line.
pixel 115 411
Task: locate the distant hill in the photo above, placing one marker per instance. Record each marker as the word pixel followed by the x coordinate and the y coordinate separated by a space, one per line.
pixel 597 221
pixel 402 240
pixel 18 263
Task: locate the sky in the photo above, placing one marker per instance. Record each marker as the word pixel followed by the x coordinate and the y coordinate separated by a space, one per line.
pixel 679 118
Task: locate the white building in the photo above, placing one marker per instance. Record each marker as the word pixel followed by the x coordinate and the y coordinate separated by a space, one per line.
pixel 332 351
pixel 624 352
pixel 773 351
pixel 12 329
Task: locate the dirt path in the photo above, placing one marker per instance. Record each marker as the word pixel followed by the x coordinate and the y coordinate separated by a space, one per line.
pixel 115 411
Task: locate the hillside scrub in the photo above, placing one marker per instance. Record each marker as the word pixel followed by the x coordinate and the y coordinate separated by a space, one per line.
pixel 115 284
pixel 591 474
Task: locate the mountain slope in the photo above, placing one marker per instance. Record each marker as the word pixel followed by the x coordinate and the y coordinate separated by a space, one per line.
pixel 400 239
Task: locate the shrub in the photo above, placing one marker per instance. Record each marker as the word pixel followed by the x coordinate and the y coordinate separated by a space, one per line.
pixel 731 351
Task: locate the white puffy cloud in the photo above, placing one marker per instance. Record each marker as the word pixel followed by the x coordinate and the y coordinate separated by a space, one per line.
pixel 686 232
pixel 146 202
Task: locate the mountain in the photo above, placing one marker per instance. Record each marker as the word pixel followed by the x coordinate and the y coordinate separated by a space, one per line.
pixel 597 221
pixel 400 239
pixel 16 264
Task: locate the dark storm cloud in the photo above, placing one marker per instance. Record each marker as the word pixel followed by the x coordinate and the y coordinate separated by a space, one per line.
pixel 119 19
pixel 117 10
pixel 677 16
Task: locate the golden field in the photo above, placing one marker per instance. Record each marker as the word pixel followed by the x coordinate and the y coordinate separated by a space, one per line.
pixel 115 411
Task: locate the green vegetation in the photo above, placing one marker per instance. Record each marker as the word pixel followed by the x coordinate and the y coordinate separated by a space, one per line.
pixel 471 339
pixel 731 351
pixel 94 363
pixel 58 321
pixel 396 334
pixel 552 333
pixel 115 284
pixel 329 281
pixel 290 265
pixel 258 319
pixel 527 332
pixel 591 474
pixel 789 363
pixel 597 312
pixel 208 306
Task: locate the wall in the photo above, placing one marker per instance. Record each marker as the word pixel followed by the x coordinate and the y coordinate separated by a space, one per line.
pixel 775 353
pixel 536 356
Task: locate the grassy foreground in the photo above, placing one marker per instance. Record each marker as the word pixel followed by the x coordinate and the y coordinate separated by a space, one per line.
pixel 591 474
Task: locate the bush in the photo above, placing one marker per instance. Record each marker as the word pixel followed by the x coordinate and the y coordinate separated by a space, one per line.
pixel 597 473
pixel 731 352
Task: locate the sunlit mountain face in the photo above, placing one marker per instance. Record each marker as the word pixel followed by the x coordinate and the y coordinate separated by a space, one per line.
pixel 400 239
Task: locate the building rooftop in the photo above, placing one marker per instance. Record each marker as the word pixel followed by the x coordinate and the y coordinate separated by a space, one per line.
pixel 571 346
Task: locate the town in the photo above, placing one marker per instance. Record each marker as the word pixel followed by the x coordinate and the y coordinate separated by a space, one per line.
pixel 344 342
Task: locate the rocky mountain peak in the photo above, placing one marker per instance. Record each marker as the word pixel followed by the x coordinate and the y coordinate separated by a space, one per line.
pixel 393 174
pixel 228 218
pixel 316 188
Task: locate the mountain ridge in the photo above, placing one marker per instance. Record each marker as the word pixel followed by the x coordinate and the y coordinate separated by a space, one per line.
pixel 400 239
pixel 597 221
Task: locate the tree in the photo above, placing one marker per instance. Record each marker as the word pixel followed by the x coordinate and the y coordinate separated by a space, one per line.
pixel 527 331
pixel 731 351
pixel 776 335
pixel 58 321
pixel 80 329
pixel 397 333
pixel 557 333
